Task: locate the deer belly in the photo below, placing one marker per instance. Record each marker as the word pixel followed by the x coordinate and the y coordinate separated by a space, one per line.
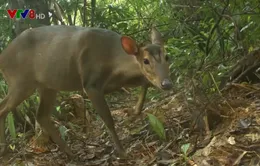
pixel 60 81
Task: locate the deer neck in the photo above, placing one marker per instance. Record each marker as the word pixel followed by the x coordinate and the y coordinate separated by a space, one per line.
pixel 127 74
pixel 128 67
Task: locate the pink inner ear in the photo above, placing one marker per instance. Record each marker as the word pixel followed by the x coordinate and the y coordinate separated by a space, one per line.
pixel 129 45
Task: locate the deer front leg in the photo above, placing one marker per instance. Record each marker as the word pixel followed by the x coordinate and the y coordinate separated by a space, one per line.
pixel 3 145
pixel 141 99
pixel 99 103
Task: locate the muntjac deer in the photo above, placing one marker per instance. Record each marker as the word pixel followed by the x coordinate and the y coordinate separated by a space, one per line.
pixel 69 58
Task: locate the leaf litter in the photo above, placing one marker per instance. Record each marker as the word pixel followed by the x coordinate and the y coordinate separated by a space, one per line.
pixel 222 131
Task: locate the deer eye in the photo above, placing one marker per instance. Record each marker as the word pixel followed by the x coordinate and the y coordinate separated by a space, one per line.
pixel 166 58
pixel 146 61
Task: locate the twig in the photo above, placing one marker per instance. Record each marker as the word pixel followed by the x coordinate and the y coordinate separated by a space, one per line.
pixel 161 148
pixel 124 89
pixel 207 50
pixel 245 72
pixel 220 92
pixel 145 29
pixel 239 158
pixel 213 29
pixel 129 19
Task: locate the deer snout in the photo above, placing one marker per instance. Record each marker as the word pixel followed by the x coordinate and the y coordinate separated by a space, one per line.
pixel 166 84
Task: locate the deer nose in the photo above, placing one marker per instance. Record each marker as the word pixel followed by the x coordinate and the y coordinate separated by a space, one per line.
pixel 166 84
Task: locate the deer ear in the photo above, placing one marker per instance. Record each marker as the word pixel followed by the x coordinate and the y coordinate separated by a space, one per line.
pixel 129 45
pixel 156 36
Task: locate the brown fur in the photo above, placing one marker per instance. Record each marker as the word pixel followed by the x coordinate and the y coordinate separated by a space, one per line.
pixel 67 58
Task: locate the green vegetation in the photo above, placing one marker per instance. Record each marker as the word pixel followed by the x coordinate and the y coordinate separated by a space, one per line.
pixel 203 38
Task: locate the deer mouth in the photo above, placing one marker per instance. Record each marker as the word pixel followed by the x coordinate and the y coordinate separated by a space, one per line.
pixel 164 85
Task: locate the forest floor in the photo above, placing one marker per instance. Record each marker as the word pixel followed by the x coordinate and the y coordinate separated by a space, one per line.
pixel 229 136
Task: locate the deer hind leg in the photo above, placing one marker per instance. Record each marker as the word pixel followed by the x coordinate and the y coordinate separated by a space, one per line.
pixel 47 101
pixel 17 94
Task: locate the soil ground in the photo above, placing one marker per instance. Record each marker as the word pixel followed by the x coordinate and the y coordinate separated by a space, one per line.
pixel 222 130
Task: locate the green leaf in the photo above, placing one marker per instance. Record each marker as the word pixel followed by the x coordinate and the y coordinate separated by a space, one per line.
pixel 63 131
pixel 185 147
pixel 58 108
pixel 206 79
pixel 157 126
pixel 12 147
pixel 10 122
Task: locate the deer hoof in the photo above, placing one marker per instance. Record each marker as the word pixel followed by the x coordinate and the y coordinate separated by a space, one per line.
pixel 120 152
pixel 123 155
pixel 137 111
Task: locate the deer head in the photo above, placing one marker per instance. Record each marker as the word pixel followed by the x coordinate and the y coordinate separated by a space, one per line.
pixel 152 59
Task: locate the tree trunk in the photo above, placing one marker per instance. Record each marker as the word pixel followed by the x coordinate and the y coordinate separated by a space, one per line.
pixel 76 11
pixel 21 24
pixel 41 6
pixel 93 7
pixel 70 19
pixel 84 13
